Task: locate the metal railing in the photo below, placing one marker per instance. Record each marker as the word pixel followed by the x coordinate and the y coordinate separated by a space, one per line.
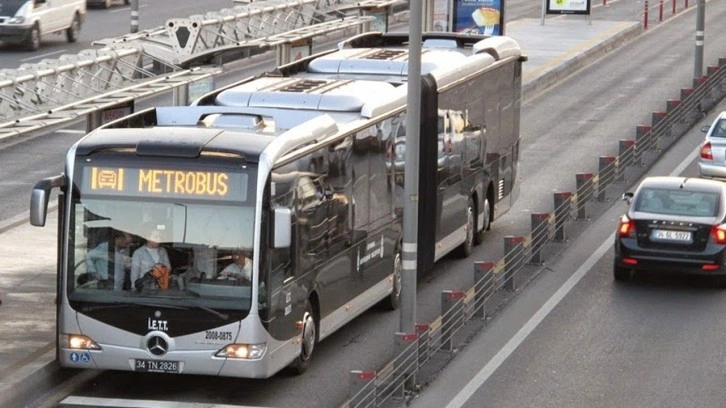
pixel 419 356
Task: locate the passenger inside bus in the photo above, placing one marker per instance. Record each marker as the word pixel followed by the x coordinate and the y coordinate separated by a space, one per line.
pixel 145 258
pixel 110 265
pixel 240 268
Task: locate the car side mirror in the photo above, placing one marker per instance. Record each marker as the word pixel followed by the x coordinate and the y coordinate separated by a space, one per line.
pixel 627 197
pixel 705 128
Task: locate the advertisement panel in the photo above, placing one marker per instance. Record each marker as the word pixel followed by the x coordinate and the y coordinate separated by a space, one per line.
pixel 568 6
pixel 479 17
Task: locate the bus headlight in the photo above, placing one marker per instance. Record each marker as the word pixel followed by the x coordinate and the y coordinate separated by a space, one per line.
pixel 78 341
pixel 243 351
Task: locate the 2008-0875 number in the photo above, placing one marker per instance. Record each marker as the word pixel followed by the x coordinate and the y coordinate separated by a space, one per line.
pixel 218 335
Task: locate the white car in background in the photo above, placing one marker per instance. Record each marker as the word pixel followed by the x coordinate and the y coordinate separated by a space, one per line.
pixel 27 21
pixel 712 161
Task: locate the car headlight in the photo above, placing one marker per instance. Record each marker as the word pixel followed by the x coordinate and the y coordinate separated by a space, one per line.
pixel 16 20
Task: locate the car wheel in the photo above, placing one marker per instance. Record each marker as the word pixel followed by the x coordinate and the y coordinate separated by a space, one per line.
pixel 33 40
pixel 74 29
pixel 393 301
pixel 622 274
pixel 309 340
pixel 466 248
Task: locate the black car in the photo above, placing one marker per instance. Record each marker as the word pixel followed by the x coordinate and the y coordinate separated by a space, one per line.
pixel 673 225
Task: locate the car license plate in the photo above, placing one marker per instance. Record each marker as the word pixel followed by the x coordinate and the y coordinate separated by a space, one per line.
pixel 156 366
pixel 667 235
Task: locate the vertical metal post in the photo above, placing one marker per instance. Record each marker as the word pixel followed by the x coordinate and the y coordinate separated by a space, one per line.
pixel 483 284
pixel 406 364
pixel 645 16
pixel 361 392
pixel 562 214
pixel 584 189
pixel 607 168
pixel 424 343
pixel 452 316
pixel 513 256
pixel 134 16
pixel 700 35
pixel 180 94
pixel 411 169
pixel 540 234
pixel 544 8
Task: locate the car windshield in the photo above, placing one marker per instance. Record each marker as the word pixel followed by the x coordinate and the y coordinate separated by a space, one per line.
pixel 677 202
pixel 10 7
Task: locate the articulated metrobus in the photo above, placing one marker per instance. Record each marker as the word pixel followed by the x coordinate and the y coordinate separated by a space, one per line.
pixel 298 173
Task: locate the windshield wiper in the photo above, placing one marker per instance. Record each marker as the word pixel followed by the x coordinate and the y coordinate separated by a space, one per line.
pixel 221 315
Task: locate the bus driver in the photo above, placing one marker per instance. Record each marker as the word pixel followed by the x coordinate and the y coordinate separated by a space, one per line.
pixel 241 268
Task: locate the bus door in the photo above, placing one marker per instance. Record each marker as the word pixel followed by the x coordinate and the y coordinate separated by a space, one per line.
pixel 451 201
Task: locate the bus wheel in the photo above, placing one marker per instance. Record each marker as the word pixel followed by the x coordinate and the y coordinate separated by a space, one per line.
pixel 394 299
pixel 465 249
pixel 487 211
pixel 309 340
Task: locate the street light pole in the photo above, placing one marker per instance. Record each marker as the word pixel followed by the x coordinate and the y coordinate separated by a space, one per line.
pixel 411 169
pixel 700 34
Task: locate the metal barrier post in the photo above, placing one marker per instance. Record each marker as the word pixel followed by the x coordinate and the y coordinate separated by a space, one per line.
pixel 452 316
pixel 362 390
pixel 642 139
pixel 483 285
pixel 180 94
pixel 584 189
pixel 606 174
pixel 424 343
pixel 94 120
pixel 539 236
pixel 562 214
pixel 406 364
pixel 513 257
pixel 645 16
pixel 626 157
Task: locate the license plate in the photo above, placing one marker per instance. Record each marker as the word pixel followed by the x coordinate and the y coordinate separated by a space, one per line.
pixel 667 235
pixel 156 366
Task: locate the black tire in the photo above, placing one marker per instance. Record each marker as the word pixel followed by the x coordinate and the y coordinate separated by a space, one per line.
pixel 32 43
pixel 309 340
pixel 393 301
pixel 127 2
pixel 479 234
pixel 466 248
pixel 621 274
pixel 74 30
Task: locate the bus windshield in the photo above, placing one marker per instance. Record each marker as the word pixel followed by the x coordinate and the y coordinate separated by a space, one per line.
pixel 136 251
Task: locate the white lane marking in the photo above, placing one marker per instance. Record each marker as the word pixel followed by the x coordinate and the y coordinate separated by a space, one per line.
pixel 483 375
pixel 41 56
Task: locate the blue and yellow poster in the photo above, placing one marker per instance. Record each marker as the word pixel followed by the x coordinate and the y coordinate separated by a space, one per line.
pixel 479 17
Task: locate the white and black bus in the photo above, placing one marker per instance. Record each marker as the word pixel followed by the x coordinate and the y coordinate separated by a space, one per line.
pixel 298 173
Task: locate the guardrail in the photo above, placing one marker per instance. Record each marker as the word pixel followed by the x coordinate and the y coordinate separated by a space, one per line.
pixel 53 92
pixel 419 356
pixel 260 24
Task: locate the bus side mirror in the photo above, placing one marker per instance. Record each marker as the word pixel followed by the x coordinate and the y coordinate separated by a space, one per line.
pixel 39 199
pixel 283 228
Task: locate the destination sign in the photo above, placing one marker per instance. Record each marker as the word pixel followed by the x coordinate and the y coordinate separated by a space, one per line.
pixel 164 183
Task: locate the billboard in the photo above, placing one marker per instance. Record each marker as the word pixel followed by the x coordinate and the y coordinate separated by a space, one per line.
pixel 479 17
pixel 568 6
